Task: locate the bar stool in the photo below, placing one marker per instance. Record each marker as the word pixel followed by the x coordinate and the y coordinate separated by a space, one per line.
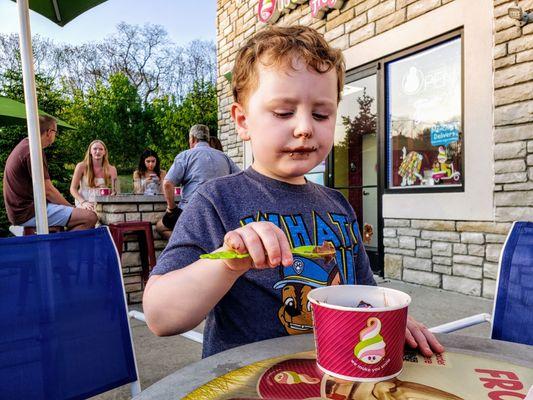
pixel 143 231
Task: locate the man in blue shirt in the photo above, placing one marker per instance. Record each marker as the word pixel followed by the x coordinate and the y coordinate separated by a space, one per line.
pixel 191 168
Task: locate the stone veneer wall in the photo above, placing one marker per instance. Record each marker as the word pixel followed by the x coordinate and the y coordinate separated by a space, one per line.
pixel 513 115
pixel 131 256
pixel 460 256
pixel 355 22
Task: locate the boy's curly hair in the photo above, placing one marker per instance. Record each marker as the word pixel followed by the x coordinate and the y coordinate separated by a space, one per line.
pixel 277 46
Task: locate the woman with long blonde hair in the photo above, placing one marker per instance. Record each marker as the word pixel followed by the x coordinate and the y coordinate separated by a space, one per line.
pixel 92 173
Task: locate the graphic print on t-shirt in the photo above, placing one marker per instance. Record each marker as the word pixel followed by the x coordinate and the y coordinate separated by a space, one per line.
pixel 305 274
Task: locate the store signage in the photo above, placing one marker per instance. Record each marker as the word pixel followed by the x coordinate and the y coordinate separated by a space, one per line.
pixel 444 134
pixel 319 7
pixel 269 11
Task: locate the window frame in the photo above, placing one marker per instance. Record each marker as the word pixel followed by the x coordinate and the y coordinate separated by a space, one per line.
pixel 364 71
pixel 383 110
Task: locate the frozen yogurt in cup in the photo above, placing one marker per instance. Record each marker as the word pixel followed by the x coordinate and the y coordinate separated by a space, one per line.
pixel 359 331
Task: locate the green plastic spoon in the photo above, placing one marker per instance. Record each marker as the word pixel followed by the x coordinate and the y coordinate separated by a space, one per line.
pixel 304 251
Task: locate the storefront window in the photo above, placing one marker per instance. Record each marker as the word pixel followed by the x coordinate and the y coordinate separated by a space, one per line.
pixel 424 119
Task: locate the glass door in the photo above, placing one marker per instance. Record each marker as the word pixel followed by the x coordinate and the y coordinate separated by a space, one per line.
pixel 354 161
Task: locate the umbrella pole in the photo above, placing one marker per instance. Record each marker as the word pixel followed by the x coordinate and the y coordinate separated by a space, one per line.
pixel 30 97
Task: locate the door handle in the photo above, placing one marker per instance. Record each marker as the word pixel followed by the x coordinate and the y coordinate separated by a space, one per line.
pixel 365 193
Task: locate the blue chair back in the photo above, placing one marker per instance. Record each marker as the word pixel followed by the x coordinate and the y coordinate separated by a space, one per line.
pixel 513 305
pixel 64 330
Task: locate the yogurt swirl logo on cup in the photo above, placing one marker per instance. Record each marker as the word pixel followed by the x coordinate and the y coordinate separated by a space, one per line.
pixel 294 378
pixel 371 348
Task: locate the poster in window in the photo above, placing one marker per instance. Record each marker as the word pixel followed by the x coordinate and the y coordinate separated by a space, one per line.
pixel 424 119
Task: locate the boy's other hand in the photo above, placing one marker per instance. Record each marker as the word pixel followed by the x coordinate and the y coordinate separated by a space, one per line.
pixel 418 335
pixel 265 242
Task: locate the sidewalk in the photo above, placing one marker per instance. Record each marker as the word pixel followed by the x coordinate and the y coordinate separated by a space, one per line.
pixel 159 357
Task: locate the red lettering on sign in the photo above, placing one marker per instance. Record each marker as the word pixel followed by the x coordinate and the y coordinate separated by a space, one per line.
pixel 498 374
pixel 502 383
pixel 269 11
pixel 508 381
pixel 504 395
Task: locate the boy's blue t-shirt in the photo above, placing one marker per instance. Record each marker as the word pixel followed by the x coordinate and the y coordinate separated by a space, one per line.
pixel 263 304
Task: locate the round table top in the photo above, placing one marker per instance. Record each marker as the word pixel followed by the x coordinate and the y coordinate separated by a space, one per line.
pixel 185 380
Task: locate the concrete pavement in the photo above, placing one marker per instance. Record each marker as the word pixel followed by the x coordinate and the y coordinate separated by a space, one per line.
pixel 158 357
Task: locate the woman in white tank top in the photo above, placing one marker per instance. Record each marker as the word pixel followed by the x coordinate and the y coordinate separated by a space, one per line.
pixel 92 173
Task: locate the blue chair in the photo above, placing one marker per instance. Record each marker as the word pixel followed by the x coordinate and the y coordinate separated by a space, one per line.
pixel 512 317
pixel 64 328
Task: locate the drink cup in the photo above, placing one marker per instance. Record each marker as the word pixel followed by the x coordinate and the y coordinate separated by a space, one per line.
pixel 177 191
pixel 353 341
pixel 104 191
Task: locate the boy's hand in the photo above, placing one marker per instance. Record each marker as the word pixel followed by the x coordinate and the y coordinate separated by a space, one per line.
pixel 417 335
pixel 265 242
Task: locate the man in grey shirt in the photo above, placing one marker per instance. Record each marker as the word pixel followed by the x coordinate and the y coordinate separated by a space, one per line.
pixel 191 168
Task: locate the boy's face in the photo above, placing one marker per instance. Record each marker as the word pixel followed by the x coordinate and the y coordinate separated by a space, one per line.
pixel 289 120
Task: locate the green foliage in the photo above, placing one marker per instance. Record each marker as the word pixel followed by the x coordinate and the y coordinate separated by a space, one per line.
pixel 173 121
pixel 114 114
pixel 50 101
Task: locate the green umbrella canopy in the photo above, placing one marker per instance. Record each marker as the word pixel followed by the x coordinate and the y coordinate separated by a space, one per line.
pixel 14 112
pixel 62 11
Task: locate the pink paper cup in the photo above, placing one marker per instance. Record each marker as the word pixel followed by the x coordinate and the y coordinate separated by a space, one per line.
pixel 105 191
pixel 359 344
pixel 177 191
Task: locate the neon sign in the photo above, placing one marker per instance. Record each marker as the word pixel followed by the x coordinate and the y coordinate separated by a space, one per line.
pixel 269 11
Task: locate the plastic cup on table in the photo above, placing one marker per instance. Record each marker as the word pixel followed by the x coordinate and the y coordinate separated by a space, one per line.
pixel 177 191
pixel 354 341
pixel 104 191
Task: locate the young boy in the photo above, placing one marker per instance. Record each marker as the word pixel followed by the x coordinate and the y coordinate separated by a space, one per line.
pixel 287 83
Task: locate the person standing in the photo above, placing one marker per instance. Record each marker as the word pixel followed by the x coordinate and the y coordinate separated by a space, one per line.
pixel 93 172
pixel 191 168
pixel 18 188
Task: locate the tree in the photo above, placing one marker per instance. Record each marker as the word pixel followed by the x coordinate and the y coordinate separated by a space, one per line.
pixel 151 61
pixel 114 114
pixel 173 121
pixel 363 123
pixel 46 55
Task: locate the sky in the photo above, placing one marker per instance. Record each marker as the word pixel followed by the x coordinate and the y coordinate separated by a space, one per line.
pixel 183 20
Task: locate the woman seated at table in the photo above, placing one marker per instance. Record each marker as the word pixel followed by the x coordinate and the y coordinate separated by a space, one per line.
pixel 92 173
pixel 149 174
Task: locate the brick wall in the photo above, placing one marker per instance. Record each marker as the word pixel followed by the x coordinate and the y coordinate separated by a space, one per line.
pixel 355 22
pixel 460 256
